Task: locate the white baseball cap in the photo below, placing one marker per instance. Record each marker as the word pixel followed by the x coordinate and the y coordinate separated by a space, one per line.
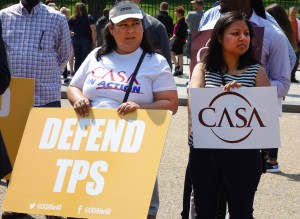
pixel 123 11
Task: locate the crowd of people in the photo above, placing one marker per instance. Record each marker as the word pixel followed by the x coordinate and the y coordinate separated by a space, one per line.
pixel 38 40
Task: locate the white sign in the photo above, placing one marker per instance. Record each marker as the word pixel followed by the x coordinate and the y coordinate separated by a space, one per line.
pixel 244 118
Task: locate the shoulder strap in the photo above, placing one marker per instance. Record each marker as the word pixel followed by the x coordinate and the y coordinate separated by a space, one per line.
pixel 133 77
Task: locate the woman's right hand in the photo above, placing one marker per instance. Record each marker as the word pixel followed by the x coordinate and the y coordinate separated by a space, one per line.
pixel 233 84
pixel 82 106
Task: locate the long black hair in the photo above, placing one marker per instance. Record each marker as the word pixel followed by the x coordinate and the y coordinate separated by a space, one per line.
pixel 214 59
pixel 281 17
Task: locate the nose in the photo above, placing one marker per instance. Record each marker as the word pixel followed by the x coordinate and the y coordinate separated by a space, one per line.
pixel 243 37
pixel 130 29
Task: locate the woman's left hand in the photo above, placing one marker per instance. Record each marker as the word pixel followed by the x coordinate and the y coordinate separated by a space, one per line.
pixel 127 107
pixel 233 84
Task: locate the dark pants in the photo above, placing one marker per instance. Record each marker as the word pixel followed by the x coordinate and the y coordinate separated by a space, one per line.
pixel 238 171
pixel 272 153
pixel 293 73
pixel 82 47
pixel 186 194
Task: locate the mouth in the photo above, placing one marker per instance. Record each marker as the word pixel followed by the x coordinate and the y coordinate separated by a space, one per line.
pixel 242 46
pixel 130 38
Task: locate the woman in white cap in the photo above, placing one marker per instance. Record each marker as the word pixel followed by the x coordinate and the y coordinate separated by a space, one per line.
pixel 103 78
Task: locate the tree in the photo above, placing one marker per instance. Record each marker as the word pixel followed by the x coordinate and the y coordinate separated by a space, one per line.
pixel 95 7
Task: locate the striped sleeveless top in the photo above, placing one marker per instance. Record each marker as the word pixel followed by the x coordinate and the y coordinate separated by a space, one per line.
pixel 246 78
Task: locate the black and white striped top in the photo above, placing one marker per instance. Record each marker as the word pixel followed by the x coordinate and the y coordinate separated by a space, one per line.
pixel 247 78
pixel 212 79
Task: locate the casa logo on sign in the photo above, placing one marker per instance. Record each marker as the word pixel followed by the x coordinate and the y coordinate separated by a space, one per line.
pixel 241 118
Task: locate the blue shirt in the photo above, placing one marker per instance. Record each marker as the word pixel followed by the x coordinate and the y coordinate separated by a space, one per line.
pixel 39 47
pixel 278 56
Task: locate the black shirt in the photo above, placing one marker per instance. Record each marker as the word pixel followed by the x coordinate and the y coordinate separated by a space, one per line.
pixel 166 20
pixel 4 70
pixel 81 25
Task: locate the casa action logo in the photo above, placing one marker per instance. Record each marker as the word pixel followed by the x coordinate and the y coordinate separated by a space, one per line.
pixel 231 117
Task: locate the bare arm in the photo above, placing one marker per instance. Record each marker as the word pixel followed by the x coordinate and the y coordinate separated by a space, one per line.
pixel 262 79
pixel 197 81
pixel 80 104
pixel 94 34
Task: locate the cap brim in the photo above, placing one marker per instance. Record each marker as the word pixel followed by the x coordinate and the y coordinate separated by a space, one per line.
pixel 120 18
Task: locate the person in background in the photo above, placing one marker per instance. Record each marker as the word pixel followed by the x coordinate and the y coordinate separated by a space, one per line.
pixel 40 53
pixel 278 12
pixel 53 5
pixel 5 74
pixel 179 36
pixel 156 34
pixel 47 2
pixel 193 19
pixel 295 22
pixel 125 39
pixel 5 77
pixel 227 64
pixel 84 33
pixel 164 17
pixel 100 25
pixel 66 11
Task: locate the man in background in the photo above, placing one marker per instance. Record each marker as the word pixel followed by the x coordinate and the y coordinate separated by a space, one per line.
pixel 38 40
pixel 164 17
pixel 4 69
pixel 193 19
pixel 157 34
pixel 100 25
pixel 295 22
pixel 5 76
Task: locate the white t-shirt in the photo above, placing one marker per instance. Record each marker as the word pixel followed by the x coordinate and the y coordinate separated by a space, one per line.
pixel 104 82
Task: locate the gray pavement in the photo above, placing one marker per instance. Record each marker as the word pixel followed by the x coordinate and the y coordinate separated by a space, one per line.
pixel 278 195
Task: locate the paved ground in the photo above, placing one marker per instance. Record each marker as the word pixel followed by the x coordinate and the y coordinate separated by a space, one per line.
pixel 278 195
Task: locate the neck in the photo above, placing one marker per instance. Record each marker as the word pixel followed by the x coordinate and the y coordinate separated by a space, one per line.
pixel 232 62
pixel 28 5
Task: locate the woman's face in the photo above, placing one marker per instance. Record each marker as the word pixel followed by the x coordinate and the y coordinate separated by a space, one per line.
pixel 294 13
pixel 128 35
pixel 236 39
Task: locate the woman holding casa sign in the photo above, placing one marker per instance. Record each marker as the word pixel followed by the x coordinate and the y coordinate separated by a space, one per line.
pixel 229 62
pixel 104 77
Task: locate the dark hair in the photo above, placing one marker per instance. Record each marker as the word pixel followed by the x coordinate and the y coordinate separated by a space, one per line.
pixel 214 59
pixel 164 6
pixel 180 10
pixel 80 10
pixel 278 12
